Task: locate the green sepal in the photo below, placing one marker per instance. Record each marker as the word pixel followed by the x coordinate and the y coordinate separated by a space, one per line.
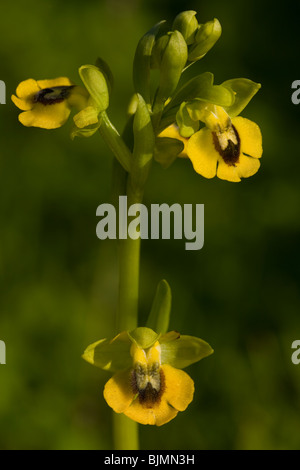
pixel 181 351
pixel 243 90
pixel 205 38
pixel 144 142
pixel 110 355
pixel 105 69
pixel 96 84
pixel 187 126
pixel 172 64
pixel 159 315
pixel 142 62
pixel 202 87
pixel 143 337
pixel 167 150
pixel 186 23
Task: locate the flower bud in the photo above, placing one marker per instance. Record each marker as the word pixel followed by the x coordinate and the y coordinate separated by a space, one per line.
pixel 173 60
pixel 142 62
pixel 187 25
pixel 158 51
pixel 206 37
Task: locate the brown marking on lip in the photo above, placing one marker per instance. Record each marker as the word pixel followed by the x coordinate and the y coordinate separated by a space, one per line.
pixel 52 95
pixel 149 395
pixel 231 153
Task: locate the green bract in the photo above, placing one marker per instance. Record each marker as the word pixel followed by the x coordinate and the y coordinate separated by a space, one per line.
pixel 159 316
pixel 167 150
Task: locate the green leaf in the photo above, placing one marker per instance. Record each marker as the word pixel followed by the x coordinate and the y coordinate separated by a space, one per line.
pixel 143 337
pixel 142 62
pixel 96 84
pixel 183 351
pixel 110 355
pixel 159 316
pixel 243 90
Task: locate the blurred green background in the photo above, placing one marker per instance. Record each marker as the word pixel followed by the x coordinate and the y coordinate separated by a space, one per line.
pixel 59 282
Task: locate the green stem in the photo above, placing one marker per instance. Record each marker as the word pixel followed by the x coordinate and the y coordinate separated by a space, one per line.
pixel 125 433
pixel 125 430
pixel 129 256
pixel 115 142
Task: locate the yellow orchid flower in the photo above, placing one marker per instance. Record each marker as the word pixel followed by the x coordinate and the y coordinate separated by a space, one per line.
pixel 47 103
pixel 149 393
pixel 149 386
pixel 227 148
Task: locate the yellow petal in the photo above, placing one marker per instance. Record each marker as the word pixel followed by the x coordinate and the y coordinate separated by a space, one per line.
pixel 228 173
pixel 250 136
pixel 179 389
pixel 49 116
pixel 159 414
pixel 173 133
pixel 60 81
pixel 118 392
pixel 202 153
pixel 247 166
pixel 27 88
pixel 22 104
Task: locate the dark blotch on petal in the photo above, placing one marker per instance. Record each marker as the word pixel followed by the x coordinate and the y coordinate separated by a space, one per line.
pixel 148 396
pixel 231 153
pixel 53 95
